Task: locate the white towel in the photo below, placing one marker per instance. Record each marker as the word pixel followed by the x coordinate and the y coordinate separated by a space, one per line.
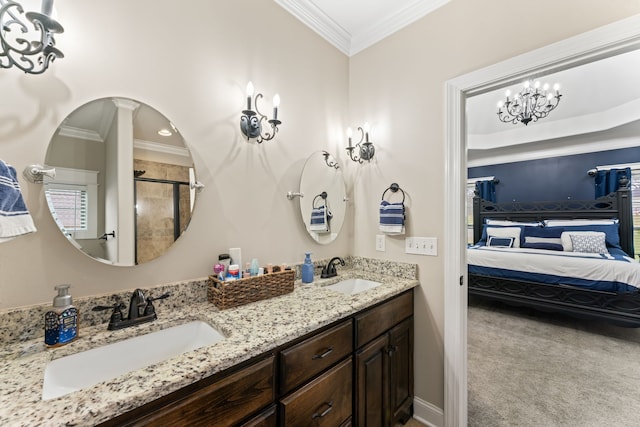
pixel 320 218
pixel 15 219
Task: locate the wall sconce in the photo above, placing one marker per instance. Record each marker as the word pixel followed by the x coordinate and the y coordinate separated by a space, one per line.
pixel 29 49
pixel 251 121
pixel 364 146
pixel 330 163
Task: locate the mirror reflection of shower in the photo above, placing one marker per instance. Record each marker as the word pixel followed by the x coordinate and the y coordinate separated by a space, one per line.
pixel 162 200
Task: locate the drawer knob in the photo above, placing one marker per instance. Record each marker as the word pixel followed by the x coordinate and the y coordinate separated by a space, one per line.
pixel 325 412
pixel 392 349
pixel 322 355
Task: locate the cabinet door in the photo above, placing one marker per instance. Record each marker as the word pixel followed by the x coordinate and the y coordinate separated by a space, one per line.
pixel 325 401
pixel 401 371
pixel 372 400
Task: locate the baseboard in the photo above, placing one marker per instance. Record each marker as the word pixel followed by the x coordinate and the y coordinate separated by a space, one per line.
pixel 427 413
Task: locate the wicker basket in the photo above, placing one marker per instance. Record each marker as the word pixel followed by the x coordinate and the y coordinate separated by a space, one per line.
pixel 251 289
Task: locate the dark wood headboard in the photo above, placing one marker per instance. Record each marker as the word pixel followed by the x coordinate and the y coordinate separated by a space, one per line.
pixel 614 205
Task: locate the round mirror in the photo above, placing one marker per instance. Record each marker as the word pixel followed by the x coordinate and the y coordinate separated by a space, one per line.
pixel 323 206
pixel 124 184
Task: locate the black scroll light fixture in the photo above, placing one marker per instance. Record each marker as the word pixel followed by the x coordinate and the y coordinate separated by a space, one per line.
pixel 364 146
pixel 26 39
pixel 530 104
pixel 251 121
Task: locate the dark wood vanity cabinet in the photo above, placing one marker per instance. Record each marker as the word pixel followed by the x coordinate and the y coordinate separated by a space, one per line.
pixel 358 371
pixel 213 401
pixel 384 364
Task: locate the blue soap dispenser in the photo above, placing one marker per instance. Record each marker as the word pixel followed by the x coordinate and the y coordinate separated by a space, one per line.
pixel 307 269
pixel 61 321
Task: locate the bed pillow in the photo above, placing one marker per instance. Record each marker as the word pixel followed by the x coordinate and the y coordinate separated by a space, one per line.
pixel 589 243
pixel 577 222
pixel 506 232
pixel 498 223
pixel 543 238
pixel 500 242
pixel 567 244
pixel 507 223
pixel 611 231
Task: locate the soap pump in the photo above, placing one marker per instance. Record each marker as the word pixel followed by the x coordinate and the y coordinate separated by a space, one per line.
pixel 61 321
pixel 307 269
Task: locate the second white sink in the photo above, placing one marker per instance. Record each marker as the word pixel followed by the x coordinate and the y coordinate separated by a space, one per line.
pixel 353 286
pixel 87 368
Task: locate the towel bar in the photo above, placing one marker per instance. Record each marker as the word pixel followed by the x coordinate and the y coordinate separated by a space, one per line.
pixel 36 173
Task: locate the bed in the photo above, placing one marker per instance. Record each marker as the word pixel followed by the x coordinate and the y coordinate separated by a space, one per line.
pixel 582 284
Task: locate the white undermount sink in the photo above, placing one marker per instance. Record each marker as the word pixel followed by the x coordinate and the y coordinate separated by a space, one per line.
pixel 353 286
pixel 87 368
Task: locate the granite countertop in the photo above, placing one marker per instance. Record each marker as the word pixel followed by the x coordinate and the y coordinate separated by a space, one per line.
pixel 250 330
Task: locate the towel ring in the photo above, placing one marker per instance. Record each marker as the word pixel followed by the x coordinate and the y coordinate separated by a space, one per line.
pixel 394 189
pixel 322 195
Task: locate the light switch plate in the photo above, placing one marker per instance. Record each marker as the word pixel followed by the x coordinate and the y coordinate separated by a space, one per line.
pixel 421 246
pixel 380 243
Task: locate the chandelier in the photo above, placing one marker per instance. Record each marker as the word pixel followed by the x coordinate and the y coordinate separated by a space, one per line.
pixel 531 104
pixel 28 47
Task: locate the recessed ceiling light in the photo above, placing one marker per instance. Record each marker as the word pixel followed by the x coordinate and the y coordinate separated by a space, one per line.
pixel 164 132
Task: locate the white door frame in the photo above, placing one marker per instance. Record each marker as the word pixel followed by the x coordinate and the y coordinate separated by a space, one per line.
pixel 602 42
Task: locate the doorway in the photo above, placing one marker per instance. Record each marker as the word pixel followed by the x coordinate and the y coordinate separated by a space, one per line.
pixel 606 41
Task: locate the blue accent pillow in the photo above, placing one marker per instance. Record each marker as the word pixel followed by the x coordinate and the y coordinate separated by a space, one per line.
pixel 500 242
pixel 611 231
pixel 542 238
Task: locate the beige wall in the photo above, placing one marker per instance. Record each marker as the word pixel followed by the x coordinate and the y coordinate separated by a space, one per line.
pixel 192 64
pixel 193 67
pixel 398 86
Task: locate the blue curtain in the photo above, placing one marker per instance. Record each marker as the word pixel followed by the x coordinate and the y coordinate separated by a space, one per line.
pixel 486 190
pixel 609 181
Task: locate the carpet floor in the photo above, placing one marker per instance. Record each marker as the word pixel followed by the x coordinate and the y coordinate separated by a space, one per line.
pixel 528 368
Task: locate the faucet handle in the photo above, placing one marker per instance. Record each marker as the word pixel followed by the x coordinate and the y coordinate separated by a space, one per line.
pixel 150 309
pixel 117 308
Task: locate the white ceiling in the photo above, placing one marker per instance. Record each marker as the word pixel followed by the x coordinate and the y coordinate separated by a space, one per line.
pixel 599 96
pixel 354 25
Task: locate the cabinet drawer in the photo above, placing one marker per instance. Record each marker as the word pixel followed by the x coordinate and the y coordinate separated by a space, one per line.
pixel 265 419
pixel 223 403
pixel 374 322
pixel 325 401
pixel 311 356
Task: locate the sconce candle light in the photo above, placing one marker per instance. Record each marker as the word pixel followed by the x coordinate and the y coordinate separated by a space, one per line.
pixel 28 47
pixel 365 147
pixel 251 121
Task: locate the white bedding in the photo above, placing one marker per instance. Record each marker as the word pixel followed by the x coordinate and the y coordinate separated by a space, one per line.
pixel 594 271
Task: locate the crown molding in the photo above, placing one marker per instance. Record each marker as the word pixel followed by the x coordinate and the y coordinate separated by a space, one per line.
pixel 350 44
pixel 161 148
pixel 79 133
pixel 318 21
pixel 389 25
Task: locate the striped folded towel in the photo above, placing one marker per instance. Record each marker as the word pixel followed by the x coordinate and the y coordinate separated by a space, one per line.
pixel 392 217
pixel 320 218
pixel 15 219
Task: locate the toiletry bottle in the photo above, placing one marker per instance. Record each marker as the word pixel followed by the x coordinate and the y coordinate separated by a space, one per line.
pixel 307 269
pixel 61 321
pixel 236 256
pixel 225 260
pixel 254 268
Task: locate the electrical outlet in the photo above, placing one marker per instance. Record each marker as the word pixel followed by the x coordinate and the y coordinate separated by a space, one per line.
pixel 380 243
pixel 421 245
